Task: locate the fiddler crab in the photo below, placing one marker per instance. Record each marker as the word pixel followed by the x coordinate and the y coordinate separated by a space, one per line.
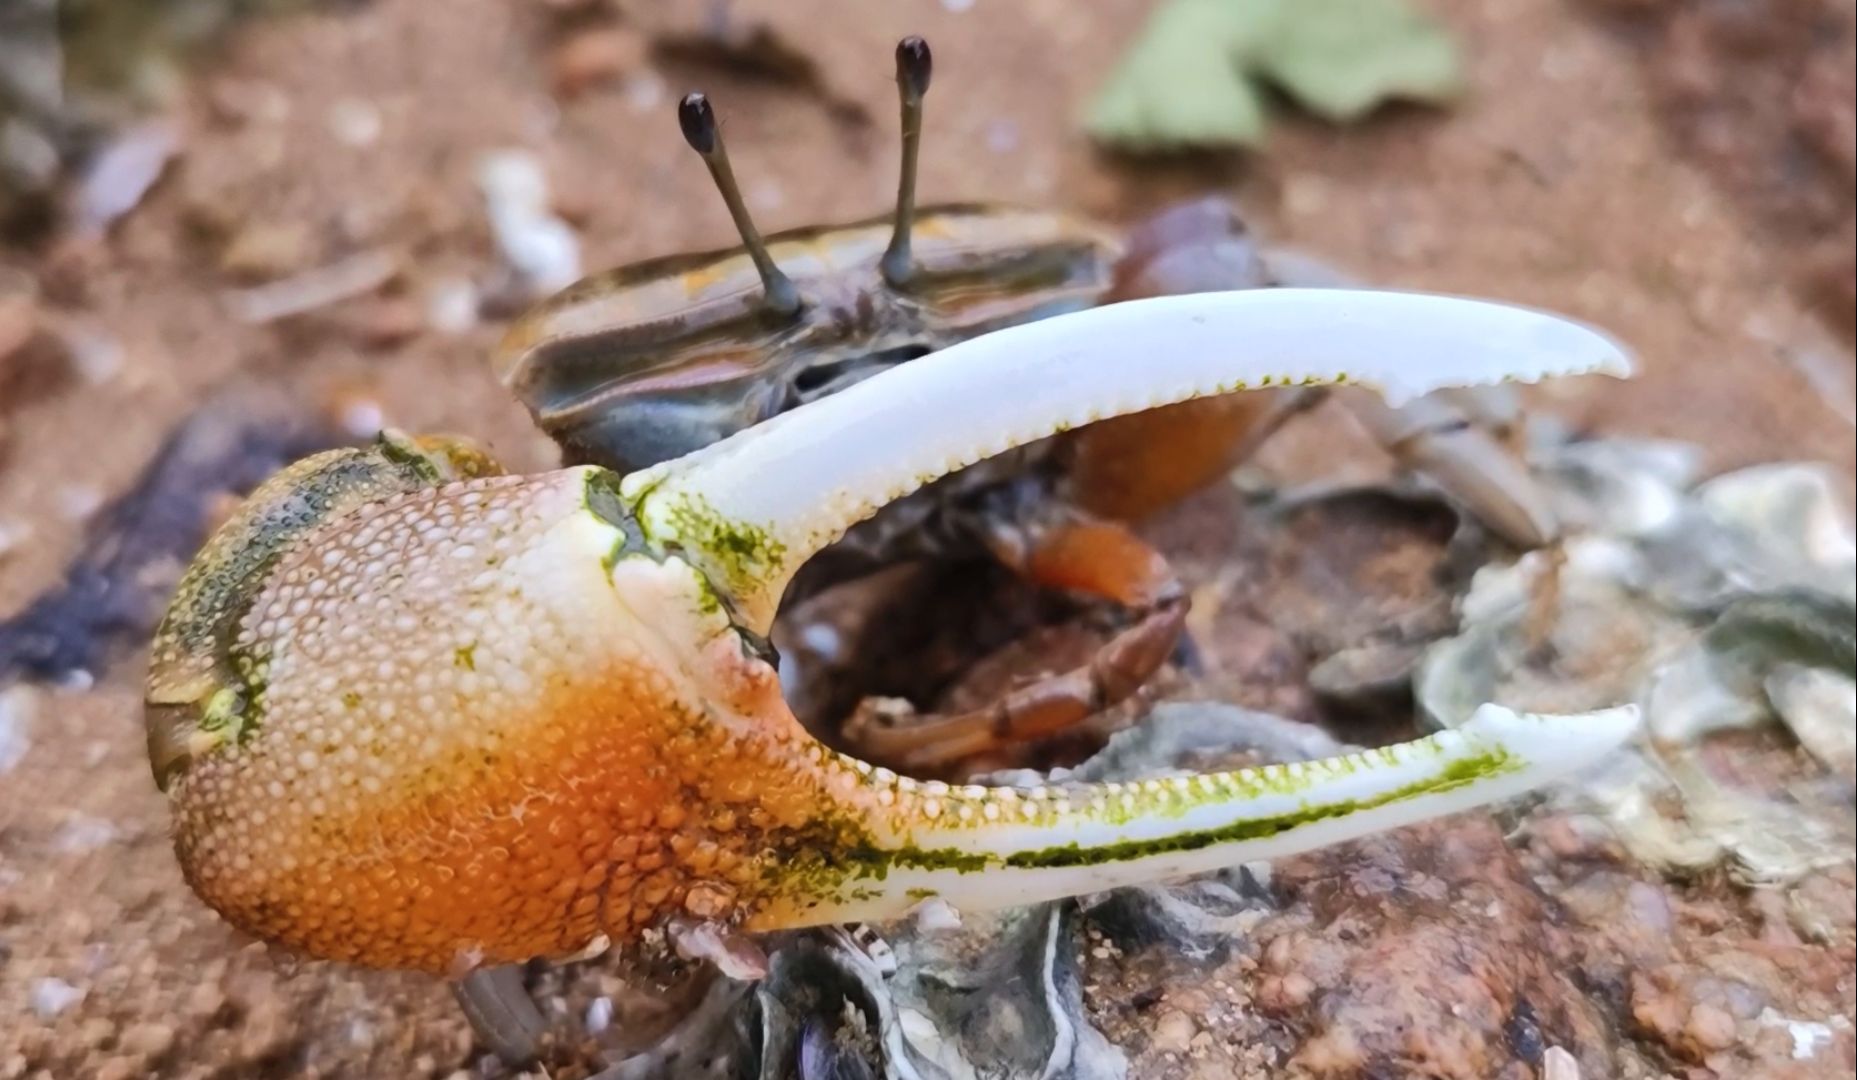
pixel 412 712
pixel 638 366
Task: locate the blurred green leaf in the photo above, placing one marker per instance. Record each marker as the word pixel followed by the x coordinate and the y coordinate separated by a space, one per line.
pixel 1191 78
pixel 1181 83
pixel 1340 59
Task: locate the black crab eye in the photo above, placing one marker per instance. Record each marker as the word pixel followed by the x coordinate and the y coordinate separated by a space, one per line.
pixel 697 117
pixel 914 65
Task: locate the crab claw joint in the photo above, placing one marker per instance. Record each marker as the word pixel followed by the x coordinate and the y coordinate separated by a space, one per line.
pixel 481 718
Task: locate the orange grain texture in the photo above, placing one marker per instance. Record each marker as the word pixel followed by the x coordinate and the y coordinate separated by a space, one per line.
pixel 471 749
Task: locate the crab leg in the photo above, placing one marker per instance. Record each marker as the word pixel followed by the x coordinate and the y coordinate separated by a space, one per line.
pixel 1432 437
pixel 1093 558
pixel 750 509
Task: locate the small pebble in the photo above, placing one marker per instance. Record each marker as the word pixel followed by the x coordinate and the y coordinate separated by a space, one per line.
pixel 1002 136
pixel 53 996
pixel 356 275
pixel 148 1039
pixel 595 56
pixel 360 1033
pixel 1174 1030
pixel 1287 991
pixel 935 915
pixel 451 306
pixel 19 704
pixel 385 323
pixel 356 123
pixel 357 411
pixel 1280 954
pixel 1558 1064
pixel 644 92
pixel 76 680
pixel 1649 906
pixel 204 1001
pixel 77 502
pixel 599 1015
pixel 1807 1036
pixel 243 101
pixel 28 155
pixel 266 250
pixel 12 535
pixel 83 834
pixel 542 250
pixel 122 174
pixel 1712 1028
pixel 97 355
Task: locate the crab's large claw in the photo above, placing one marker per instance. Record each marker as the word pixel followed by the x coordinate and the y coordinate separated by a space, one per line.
pixel 410 715
pixel 749 510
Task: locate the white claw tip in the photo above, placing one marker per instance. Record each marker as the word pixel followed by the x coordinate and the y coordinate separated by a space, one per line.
pixel 1555 745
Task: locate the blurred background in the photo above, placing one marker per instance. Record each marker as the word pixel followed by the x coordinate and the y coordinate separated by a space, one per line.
pixel 231 230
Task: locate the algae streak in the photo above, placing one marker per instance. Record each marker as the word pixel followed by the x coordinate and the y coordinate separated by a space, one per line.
pixel 831 870
pixel 1456 775
pixel 744 556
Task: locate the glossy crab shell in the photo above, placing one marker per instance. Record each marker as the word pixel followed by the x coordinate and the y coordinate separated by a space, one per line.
pixel 659 358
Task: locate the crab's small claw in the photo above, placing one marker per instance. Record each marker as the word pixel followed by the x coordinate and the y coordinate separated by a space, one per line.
pixel 1090 558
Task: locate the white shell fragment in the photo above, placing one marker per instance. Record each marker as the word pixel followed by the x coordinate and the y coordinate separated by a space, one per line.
pixel 541 249
pixel 1723 605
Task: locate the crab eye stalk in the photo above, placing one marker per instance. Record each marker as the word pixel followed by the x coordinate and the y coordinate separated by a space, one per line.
pixel 697 117
pixel 914 65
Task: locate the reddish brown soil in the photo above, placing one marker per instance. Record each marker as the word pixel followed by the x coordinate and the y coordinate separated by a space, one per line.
pixel 1762 96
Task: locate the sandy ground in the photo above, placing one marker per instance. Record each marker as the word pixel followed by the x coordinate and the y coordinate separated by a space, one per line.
pixel 1554 184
